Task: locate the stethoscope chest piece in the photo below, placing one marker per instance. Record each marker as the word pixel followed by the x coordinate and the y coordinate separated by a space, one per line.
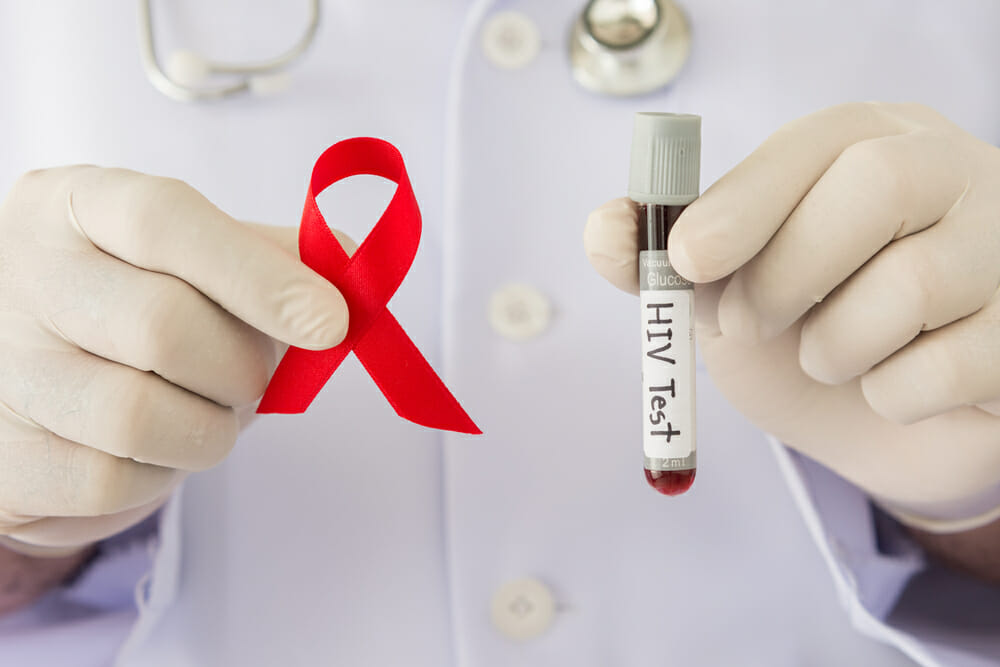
pixel 628 47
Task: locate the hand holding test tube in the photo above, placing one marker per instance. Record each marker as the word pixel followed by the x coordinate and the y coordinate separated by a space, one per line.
pixel 846 279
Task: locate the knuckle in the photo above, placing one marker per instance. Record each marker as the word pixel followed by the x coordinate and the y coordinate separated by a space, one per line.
pixel 257 357
pixel 862 109
pixel 168 192
pixel 856 113
pixel 170 198
pixel 130 426
pixel 150 200
pixel 943 375
pixel 915 108
pixel 29 180
pixel 157 345
pixel 36 183
pixel 909 270
pixel 927 377
pixel 818 351
pixel 917 114
pixel 873 385
pixel 208 437
pixel 107 480
pixel 27 189
pixel 876 166
pixel 160 424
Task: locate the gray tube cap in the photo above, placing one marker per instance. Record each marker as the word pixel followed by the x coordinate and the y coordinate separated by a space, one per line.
pixel 666 158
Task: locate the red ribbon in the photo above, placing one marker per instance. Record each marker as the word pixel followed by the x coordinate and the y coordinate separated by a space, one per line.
pixel 368 279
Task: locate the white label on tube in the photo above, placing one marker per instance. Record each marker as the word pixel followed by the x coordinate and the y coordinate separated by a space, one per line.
pixel 668 364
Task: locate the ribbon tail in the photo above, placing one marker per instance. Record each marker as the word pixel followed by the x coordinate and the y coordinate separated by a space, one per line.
pixel 406 379
pixel 299 377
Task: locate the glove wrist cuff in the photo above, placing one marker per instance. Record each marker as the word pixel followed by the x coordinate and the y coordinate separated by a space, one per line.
pixel 955 516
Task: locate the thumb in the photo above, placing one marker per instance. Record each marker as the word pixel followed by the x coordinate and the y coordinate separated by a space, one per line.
pixel 166 226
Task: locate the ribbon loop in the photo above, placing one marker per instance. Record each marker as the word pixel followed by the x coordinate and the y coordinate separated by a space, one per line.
pixel 368 279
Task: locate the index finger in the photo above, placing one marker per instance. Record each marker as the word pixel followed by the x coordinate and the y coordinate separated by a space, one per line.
pixel 167 226
pixel 738 215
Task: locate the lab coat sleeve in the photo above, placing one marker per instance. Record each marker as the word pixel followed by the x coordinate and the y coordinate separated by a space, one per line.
pixel 883 580
pixel 87 622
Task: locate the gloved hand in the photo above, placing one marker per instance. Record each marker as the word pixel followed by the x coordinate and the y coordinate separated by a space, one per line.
pixel 848 302
pixel 134 317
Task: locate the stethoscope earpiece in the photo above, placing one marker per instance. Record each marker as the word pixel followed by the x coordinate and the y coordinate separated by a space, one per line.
pixel 628 47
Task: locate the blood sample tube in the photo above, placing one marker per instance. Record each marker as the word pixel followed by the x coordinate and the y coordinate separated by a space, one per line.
pixel 663 180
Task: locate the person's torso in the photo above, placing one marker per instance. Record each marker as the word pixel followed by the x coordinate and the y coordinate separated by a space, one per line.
pixel 348 536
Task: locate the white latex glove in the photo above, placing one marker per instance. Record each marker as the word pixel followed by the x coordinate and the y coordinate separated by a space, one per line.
pixel 848 301
pixel 134 317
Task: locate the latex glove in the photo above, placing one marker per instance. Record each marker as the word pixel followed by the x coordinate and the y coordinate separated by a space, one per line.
pixel 134 317
pixel 848 301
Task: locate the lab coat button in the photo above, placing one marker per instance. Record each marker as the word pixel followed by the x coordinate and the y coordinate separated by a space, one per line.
pixel 519 312
pixel 523 609
pixel 511 40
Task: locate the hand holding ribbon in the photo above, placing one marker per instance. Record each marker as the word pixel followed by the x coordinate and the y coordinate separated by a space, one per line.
pixel 368 279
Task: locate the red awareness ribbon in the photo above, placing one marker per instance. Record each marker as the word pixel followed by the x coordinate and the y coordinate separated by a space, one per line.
pixel 368 279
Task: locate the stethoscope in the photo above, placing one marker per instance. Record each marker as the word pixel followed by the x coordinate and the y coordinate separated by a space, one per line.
pixel 616 47
pixel 190 78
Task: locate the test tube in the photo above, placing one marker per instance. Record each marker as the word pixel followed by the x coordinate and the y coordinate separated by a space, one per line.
pixel 663 180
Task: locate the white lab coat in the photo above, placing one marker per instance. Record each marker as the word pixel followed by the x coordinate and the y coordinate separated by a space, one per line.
pixel 346 536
